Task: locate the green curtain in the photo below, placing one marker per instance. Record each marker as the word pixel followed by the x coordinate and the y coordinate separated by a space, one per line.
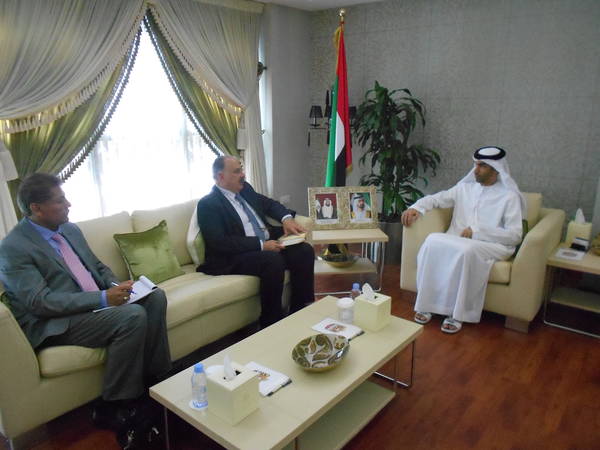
pixel 217 127
pixel 61 146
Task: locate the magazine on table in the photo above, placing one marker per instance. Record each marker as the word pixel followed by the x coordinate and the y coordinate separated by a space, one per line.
pixel 569 253
pixel 332 326
pixel 140 289
pixel 270 380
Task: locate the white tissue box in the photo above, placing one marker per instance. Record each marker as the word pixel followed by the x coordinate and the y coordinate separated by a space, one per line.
pixel 372 315
pixel 232 400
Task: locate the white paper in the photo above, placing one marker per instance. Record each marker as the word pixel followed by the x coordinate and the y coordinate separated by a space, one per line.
pixel 228 369
pixel 270 380
pixel 368 292
pixel 569 253
pixel 292 239
pixel 140 289
pixel 331 326
pixel 579 217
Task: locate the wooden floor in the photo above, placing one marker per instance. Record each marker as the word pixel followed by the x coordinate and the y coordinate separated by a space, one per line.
pixel 485 388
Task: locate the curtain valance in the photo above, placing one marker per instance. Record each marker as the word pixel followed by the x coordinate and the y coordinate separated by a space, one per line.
pixel 56 53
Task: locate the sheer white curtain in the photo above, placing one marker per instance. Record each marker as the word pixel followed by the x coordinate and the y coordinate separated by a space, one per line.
pixel 55 53
pixel 150 154
pixel 217 42
pixel 8 171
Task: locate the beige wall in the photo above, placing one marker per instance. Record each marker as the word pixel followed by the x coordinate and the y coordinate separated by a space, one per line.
pixel 521 74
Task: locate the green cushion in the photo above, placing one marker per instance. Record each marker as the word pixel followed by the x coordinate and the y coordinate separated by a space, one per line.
pixel 4 299
pixel 149 253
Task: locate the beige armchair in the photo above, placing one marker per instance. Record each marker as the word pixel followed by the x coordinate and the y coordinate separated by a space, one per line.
pixel 515 288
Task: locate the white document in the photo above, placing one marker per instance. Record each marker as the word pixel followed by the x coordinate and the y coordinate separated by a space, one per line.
pixel 569 253
pixel 292 239
pixel 140 289
pixel 331 326
pixel 270 380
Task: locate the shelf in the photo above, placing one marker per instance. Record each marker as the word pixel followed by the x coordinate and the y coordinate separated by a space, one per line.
pixel 576 298
pixel 336 427
pixel 348 236
pixel 362 265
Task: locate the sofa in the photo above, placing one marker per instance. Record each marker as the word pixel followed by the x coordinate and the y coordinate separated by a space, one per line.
pixel 201 309
pixel 516 286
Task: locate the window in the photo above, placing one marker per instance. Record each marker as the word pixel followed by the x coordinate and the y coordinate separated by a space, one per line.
pixel 150 154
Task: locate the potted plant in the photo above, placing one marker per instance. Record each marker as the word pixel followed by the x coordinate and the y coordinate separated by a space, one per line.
pixel 383 124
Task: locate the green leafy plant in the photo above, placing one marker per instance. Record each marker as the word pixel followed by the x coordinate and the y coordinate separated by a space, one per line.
pixel 383 124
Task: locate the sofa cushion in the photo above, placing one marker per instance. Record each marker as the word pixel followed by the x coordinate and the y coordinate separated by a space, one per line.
pixel 98 234
pixel 149 253
pixel 534 206
pixel 64 359
pixel 500 272
pixel 195 293
pixel 178 218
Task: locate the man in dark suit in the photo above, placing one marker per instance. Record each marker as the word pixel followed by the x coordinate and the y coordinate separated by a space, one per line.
pixel 54 283
pixel 233 222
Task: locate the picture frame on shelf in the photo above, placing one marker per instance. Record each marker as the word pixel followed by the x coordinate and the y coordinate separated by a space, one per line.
pixel 326 208
pixel 361 202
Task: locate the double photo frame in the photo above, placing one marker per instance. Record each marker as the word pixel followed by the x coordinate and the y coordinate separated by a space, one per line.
pixel 344 207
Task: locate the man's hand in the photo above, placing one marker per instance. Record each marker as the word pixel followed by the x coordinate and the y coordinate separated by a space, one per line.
pixel 290 226
pixel 272 246
pixel 409 216
pixel 117 295
pixel 467 233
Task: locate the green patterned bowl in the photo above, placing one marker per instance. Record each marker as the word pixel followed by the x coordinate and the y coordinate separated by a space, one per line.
pixel 320 352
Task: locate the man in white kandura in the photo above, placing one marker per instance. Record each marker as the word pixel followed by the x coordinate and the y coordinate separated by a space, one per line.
pixel 360 209
pixel 453 267
pixel 327 209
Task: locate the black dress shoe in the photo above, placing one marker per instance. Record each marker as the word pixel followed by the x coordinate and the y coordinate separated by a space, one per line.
pixel 108 416
pixel 146 434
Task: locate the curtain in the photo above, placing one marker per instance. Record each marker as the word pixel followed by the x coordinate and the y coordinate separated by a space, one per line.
pixel 150 154
pixel 217 126
pixel 56 53
pixel 218 46
pixel 59 147
pixel 8 171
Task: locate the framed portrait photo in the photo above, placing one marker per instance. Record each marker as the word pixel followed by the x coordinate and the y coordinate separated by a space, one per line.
pixel 326 208
pixel 362 206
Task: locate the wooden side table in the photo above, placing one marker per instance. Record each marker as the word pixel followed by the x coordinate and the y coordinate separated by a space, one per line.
pixel 573 297
pixel 372 252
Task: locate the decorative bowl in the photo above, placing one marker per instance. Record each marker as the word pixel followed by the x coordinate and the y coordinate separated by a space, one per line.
pixel 337 255
pixel 320 352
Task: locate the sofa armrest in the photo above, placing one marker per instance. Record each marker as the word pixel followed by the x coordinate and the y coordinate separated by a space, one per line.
pixel 19 371
pixel 536 247
pixel 434 221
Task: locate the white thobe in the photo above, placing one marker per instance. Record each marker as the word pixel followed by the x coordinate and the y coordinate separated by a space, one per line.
pixel 452 271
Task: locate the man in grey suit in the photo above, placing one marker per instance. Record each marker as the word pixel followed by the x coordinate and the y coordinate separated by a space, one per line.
pixel 54 283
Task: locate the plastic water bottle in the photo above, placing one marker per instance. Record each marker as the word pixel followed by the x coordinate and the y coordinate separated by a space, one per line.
pixel 199 394
pixel 355 291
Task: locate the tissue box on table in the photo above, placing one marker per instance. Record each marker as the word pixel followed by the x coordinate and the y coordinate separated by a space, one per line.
pixel 232 400
pixel 372 315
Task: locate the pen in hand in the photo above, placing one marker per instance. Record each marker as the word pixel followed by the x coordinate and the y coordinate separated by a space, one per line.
pixel 117 284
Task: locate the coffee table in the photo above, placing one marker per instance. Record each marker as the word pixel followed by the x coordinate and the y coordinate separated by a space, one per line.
pixel 317 410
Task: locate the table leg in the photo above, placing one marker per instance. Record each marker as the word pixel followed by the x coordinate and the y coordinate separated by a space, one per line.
pixel 166 418
pixel 395 379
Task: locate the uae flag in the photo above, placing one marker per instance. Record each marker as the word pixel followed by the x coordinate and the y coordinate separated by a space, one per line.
pixel 339 158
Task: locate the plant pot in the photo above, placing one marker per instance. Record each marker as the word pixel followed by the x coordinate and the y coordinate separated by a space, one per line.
pixel 393 248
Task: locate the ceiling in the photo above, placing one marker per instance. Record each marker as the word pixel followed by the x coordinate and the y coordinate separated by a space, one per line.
pixel 315 5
